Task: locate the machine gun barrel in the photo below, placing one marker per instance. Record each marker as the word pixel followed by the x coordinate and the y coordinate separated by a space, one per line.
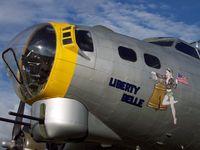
pixel 40 120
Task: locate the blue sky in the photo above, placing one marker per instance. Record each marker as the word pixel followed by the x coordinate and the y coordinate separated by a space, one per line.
pixel 136 18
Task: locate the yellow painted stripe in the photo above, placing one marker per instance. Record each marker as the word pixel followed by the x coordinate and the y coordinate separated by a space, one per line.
pixel 63 67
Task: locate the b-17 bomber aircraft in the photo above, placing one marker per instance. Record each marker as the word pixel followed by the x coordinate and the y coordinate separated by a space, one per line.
pixel 92 88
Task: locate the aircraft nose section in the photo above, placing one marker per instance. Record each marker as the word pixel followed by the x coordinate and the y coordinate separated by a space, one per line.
pixel 29 58
pixel 40 59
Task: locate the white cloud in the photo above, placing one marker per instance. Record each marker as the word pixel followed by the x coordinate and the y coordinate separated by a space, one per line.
pixel 8 101
pixel 134 20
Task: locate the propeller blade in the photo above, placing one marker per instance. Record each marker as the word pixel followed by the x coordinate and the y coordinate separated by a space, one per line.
pixel 17 127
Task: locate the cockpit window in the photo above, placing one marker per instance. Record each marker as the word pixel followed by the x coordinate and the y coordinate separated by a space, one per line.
pixel 84 40
pixel 163 43
pixel 187 49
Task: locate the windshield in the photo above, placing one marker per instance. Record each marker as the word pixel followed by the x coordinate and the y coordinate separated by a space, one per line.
pixel 29 59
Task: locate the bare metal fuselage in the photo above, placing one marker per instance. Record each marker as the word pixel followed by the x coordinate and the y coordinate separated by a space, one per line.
pixel 136 123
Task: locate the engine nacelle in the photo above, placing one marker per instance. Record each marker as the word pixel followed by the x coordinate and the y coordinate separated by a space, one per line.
pixel 64 119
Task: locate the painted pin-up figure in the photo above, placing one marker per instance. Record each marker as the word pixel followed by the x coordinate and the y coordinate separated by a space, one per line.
pixel 169 84
pixel 156 99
